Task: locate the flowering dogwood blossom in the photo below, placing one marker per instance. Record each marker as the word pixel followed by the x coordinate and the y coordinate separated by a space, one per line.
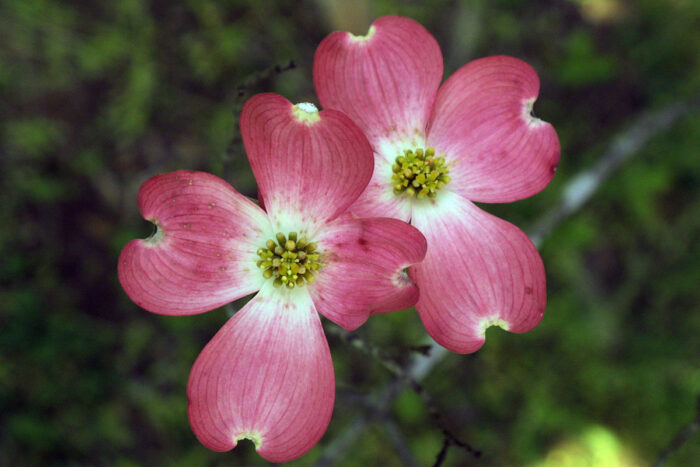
pixel 267 374
pixel 438 149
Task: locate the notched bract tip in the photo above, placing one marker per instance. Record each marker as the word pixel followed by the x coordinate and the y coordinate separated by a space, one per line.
pixel 488 322
pixel 253 436
pixel 366 37
pixel 157 236
pixel 529 114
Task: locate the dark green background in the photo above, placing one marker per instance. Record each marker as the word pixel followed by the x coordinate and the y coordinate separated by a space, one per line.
pixel 98 96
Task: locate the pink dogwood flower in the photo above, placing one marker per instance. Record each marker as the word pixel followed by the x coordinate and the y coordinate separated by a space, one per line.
pixel 438 149
pixel 267 374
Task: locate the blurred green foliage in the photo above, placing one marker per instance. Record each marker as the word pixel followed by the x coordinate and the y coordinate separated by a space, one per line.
pixel 98 96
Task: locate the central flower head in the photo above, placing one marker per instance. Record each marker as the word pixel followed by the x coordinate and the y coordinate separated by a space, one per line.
pixel 419 173
pixel 290 260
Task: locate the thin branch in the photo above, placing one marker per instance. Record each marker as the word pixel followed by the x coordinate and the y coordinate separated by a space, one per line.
pixel 452 441
pixel 576 193
pixel 680 439
pixel 442 454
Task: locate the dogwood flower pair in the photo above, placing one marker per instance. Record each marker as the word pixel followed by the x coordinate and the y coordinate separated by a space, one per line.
pixel 437 150
pixel 267 374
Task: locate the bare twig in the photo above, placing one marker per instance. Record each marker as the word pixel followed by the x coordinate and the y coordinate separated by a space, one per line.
pixel 452 441
pixel 680 439
pixel 576 193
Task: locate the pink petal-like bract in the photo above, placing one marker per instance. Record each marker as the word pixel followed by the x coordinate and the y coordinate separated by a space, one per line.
pixel 309 170
pixel 385 81
pixel 365 273
pixel 477 140
pixel 482 119
pixel 266 376
pixel 496 278
pixel 200 256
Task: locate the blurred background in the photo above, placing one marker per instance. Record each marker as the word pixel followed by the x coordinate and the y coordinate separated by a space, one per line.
pixel 99 96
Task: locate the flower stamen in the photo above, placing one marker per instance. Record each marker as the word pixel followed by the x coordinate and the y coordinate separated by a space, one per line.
pixel 419 173
pixel 290 261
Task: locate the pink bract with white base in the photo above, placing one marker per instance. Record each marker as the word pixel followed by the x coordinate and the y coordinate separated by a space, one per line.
pixel 267 375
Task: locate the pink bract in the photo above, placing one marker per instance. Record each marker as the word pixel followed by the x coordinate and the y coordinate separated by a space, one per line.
pixel 267 375
pixel 479 270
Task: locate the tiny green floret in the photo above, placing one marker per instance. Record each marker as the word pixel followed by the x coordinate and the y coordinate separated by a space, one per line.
pixel 289 261
pixel 419 173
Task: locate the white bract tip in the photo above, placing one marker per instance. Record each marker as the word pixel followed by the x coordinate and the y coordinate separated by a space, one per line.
pixel 307 107
pixel 306 112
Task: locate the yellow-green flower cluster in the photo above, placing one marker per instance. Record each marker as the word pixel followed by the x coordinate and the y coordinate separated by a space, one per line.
pixel 291 261
pixel 419 173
